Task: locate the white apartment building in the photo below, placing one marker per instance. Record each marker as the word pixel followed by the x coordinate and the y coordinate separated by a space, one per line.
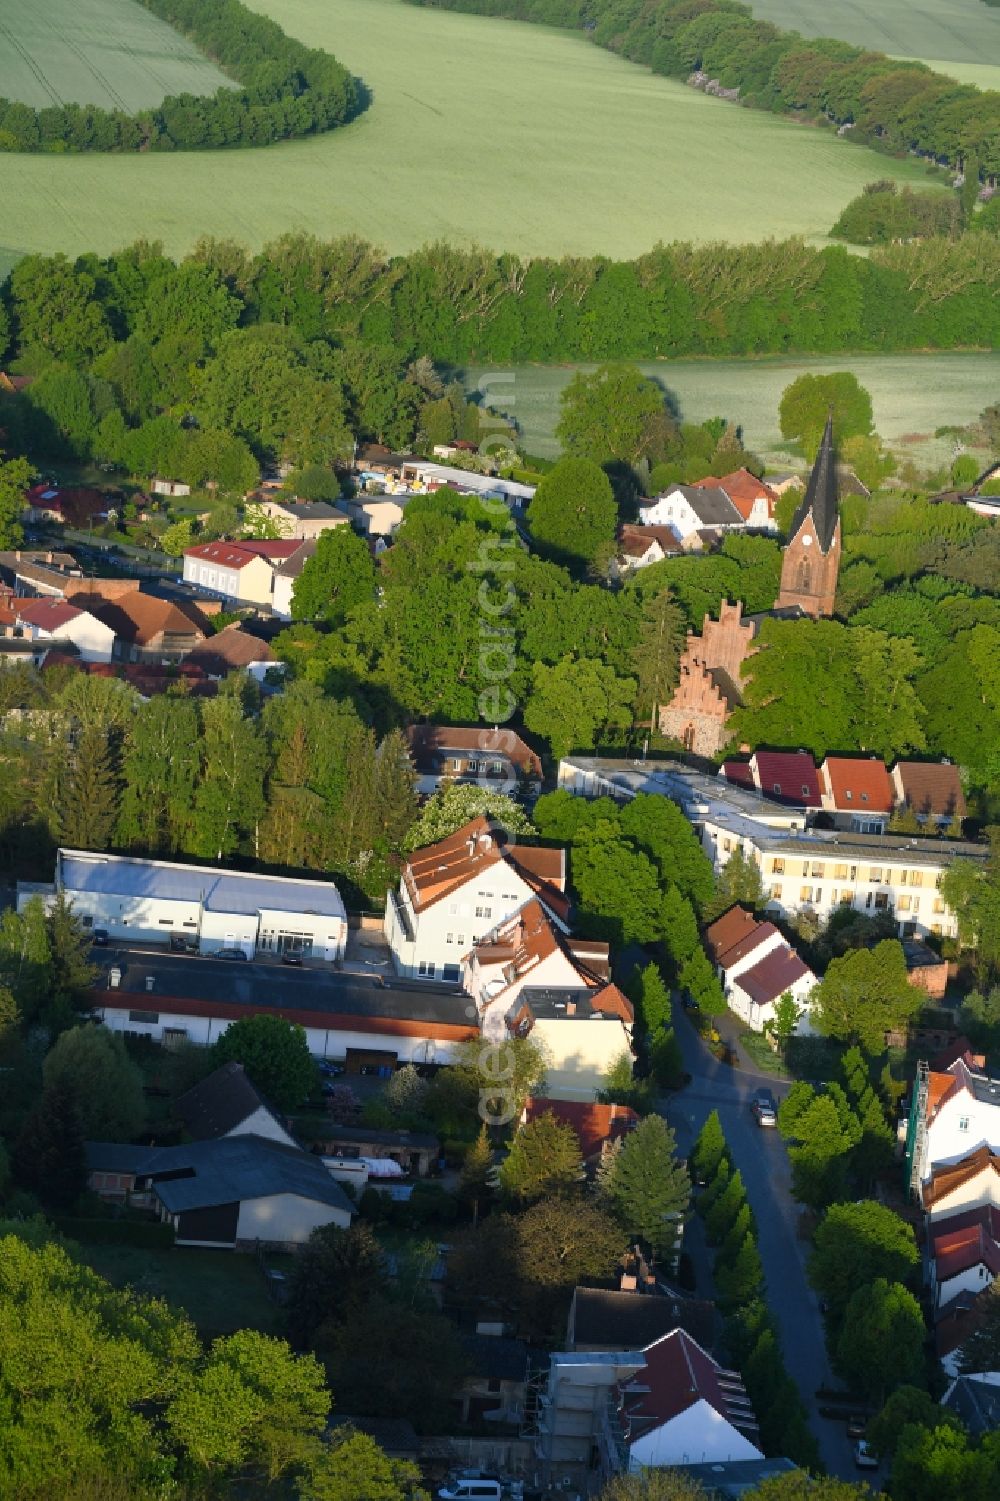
pixel 803 868
pixel 453 892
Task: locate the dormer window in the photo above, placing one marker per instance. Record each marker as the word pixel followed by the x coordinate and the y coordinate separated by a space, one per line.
pixel 805 791
pixel 864 797
pixel 777 788
pixel 849 795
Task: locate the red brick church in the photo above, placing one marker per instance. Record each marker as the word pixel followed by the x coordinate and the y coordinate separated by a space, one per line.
pixel 712 664
pixel 812 557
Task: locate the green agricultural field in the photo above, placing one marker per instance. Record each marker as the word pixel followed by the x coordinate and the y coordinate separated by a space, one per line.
pixel 958 37
pixel 912 395
pixel 105 52
pixel 480 130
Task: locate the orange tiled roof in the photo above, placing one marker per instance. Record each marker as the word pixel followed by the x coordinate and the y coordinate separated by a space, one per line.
pixel 945 1180
pixel 857 784
pixel 594 1124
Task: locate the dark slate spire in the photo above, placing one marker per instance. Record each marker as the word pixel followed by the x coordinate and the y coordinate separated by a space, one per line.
pixel 821 492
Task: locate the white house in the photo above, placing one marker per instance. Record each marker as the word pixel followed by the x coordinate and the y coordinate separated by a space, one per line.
pixel 964 1254
pixel 55 621
pixel 962 1115
pixel 528 949
pixel 757 967
pixel 957 1188
pixel 453 892
pixel 488 756
pixel 237 572
pixel 150 901
pixel 229 1193
pixel 581 1029
pixel 688 509
pixel 683 1407
pixel 303 519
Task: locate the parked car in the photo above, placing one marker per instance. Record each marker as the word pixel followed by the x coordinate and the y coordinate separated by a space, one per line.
pixel 857 1425
pixel 99 938
pixel 230 954
pixel 765 1108
pixel 331 1070
pixel 864 1456
pixel 468 1489
pixel 180 943
pixel 292 957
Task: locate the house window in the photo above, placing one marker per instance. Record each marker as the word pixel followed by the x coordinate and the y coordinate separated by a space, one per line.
pixel 868 900
pixel 426 969
pixel 938 904
pixel 849 795
pixel 451 972
pixel 150 1018
pixel 450 938
pixel 805 790
pixel 805 893
pixel 875 873
pixel 776 893
pixel 881 901
pixel 777 788
pixel 727 845
pixel 778 867
pixel 86 922
pixel 818 871
pixel 461 940
pixel 484 911
pixel 854 872
pixel 916 878
pixel 903 903
pixel 864 797
pixel 499 768
pixel 840 871
pixel 845 897
pixel 963 1123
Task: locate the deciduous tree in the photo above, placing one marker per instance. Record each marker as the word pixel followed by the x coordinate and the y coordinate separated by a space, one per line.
pixel 544 1159
pixel 274 1053
pixel 866 994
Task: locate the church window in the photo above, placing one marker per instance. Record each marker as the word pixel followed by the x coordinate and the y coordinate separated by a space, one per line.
pixel 805 577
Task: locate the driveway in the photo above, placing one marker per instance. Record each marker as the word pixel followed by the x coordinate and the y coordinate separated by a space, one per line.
pixel 763 1162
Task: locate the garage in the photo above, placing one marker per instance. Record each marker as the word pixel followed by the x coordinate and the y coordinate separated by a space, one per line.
pixel 375 1063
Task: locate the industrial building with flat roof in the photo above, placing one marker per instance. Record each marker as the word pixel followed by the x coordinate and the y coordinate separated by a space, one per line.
pixel 151 901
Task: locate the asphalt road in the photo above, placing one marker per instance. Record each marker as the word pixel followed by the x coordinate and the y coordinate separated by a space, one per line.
pixel 761 1157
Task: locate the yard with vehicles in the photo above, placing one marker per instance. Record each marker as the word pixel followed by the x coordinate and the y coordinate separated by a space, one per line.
pixel 455 138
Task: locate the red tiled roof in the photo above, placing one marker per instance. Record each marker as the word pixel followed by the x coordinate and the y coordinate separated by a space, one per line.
pixel 229 649
pixel 429 740
pixel 438 869
pixel 933 787
pixel 142 617
pixel 777 972
pixel 677 1375
pixel 594 1124
pixel 47 614
pixel 634 541
pixel 944 1181
pixel 240 554
pixel 729 929
pixel 273 547
pixel 743 489
pixel 857 785
pixel 788 775
pixel 739 773
pixel 748 944
pixel 961 1250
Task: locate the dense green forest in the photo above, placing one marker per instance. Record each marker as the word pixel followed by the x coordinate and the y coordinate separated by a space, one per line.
pixel 460 306
pixel 891 104
pixel 286 90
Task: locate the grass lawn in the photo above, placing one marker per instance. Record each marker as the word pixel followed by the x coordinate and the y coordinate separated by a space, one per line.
pixel 106 52
pixel 480 130
pixel 219 1289
pixel 943 33
pixel 912 395
pixel 763 1055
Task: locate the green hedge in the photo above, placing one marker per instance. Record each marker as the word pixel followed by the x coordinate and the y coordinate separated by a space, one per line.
pixel 110 1232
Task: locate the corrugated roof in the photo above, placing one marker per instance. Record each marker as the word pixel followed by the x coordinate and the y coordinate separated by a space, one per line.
pixel 218 890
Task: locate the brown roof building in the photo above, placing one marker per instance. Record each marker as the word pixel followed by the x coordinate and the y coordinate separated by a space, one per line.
pixel 477 753
pixel 232 650
pixel 930 789
pixel 148 629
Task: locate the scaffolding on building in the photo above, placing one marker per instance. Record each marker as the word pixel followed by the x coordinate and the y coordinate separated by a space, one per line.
pixel 916 1135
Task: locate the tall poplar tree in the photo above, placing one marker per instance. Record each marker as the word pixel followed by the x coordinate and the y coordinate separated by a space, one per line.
pixel 230 798
pixel 160 769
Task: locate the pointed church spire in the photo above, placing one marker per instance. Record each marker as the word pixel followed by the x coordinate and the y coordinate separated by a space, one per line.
pixel 821 492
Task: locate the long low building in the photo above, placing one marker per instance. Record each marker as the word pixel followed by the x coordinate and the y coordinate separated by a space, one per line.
pixel 804 869
pixel 368 1024
pixel 152 901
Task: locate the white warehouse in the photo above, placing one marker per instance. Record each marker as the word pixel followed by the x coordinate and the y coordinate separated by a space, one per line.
pixel 151 901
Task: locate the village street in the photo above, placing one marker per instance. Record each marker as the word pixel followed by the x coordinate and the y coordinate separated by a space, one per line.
pixel 761 1158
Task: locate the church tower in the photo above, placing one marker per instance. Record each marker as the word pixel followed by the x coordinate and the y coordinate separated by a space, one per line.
pixel 812 557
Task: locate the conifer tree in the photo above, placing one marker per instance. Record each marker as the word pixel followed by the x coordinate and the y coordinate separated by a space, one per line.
pixel 85 790
pixel 741 1277
pixel 649 1189
pixel 709 1149
pixel 720 1217
pixel 544 1159
pixel 475 1183
pixel 742 1226
pixel 49 1157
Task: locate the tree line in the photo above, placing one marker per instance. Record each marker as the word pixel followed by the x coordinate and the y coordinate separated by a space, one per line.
pixel 286 90
pixel 461 306
pixel 894 105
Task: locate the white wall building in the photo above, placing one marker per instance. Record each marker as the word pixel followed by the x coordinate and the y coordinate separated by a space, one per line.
pixel 453 892
pixel 582 1032
pixel 150 900
pixel 803 868
pixel 55 621
pixel 686 509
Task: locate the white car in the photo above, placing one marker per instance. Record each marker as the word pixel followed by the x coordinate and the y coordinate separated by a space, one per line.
pixel 864 1455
